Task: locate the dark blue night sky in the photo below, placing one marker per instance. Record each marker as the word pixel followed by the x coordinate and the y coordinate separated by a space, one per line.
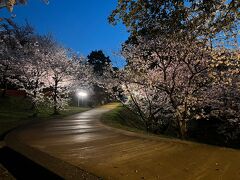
pixel 78 24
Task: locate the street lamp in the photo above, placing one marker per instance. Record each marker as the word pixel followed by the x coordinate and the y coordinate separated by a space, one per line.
pixel 81 94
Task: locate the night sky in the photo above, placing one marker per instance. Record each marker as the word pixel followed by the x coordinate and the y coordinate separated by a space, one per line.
pixel 79 25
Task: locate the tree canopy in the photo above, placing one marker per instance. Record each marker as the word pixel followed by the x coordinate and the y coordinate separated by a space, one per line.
pixel 9 4
pixel 48 73
pixel 194 17
pixel 182 64
pixel 99 61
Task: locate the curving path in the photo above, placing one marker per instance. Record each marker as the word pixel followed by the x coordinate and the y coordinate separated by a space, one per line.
pixel 80 147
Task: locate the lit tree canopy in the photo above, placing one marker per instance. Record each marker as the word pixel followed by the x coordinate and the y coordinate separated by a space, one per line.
pixel 48 71
pixel 182 61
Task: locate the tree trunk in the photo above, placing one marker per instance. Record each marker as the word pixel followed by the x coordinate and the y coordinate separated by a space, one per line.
pixel 34 105
pixel 55 108
pixel 182 125
pixel 183 129
pixel 5 81
pixel 5 88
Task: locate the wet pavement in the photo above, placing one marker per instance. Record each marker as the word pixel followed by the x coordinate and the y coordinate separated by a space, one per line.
pixel 80 147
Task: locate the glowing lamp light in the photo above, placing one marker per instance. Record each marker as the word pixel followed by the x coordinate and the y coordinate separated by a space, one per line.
pixel 81 95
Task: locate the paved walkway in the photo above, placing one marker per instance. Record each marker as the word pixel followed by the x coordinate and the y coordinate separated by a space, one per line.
pixel 81 147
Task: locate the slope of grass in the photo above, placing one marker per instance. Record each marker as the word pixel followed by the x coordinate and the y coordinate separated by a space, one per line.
pixel 15 111
pixel 123 118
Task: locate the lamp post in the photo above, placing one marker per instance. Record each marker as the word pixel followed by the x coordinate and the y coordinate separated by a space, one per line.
pixel 81 94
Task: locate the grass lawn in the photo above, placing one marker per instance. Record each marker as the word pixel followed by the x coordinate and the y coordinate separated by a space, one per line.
pixel 123 118
pixel 15 111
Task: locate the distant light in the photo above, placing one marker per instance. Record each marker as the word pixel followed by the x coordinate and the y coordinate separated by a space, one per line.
pixel 82 94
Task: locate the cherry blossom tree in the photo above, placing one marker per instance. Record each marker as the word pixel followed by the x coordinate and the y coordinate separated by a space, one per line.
pixel 48 71
pixel 182 60
pixel 13 39
pixel 59 76
pixel 65 72
pixel 31 77
pixel 224 72
pixel 168 81
pixel 167 73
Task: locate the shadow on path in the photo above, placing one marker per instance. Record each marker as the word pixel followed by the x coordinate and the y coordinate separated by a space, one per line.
pixel 22 168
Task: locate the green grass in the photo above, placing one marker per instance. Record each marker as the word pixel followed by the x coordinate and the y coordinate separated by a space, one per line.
pixel 15 111
pixel 123 118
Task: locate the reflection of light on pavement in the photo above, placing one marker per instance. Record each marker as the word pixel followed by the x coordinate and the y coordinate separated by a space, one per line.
pixel 72 126
pixel 84 137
